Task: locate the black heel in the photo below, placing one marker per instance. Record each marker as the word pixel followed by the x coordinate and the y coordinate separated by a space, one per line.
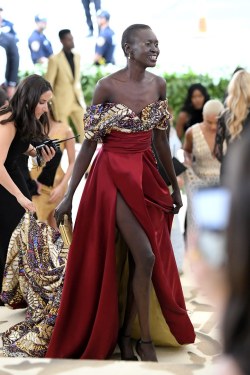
pixel 121 347
pixel 139 350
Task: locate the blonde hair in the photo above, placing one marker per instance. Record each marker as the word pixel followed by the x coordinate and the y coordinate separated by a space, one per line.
pixel 238 102
pixel 212 107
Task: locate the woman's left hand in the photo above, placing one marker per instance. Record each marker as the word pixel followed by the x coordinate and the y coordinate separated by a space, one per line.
pixel 176 195
pixel 47 153
pixel 56 194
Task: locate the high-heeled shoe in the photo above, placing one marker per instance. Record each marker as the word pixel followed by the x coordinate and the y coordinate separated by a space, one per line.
pixel 140 353
pixel 121 347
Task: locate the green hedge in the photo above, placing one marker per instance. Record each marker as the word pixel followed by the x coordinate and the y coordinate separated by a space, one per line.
pixel 177 84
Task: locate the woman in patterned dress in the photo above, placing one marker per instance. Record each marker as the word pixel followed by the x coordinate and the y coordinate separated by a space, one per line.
pixel 203 167
pixel 124 196
pixel 22 122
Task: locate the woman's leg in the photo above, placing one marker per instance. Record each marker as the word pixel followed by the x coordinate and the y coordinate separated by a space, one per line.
pixel 124 340
pixel 143 258
pixel 52 220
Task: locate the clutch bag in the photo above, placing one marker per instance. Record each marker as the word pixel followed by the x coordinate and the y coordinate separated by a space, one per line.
pixel 65 229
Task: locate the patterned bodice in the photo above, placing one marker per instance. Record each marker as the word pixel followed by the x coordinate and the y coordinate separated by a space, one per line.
pixel 101 119
pixel 205 165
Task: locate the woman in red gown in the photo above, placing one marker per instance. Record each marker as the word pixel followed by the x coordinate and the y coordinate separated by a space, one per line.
pixel 124 195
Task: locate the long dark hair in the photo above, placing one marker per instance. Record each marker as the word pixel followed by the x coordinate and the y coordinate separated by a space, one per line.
pixel 236 324
pixel 188 105
pixel 22 108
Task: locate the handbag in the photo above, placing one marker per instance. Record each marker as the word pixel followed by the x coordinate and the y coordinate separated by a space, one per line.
pixel 179 168
pixel 66 231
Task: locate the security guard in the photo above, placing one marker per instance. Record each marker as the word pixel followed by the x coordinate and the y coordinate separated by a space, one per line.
pixel 9 63
pixel 105 45
pixel 7 27
pixel 40 47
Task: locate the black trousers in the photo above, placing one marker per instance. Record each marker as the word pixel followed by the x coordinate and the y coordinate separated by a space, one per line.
pixel 86 5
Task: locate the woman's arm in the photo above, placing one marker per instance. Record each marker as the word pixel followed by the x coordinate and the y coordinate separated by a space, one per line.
pixel 58 191
pixel 101 95
pixel 188 147
pixel 180 123
pixel 81 164
pixel 219 139
pixel 7 134
pixel 163 150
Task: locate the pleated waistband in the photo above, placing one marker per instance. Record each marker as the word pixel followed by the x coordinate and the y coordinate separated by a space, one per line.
pixel 122 142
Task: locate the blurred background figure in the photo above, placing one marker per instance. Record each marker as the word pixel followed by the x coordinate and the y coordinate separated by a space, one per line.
pixel 235 120
pixel 220 256
pixel 9 62
pixel 7 27
pixel 236 317
pixel 176 234
pixel 52 181
pixel 40 47
pixel 203 168
pixel 3 98
pixel 191 112
pixel 105 44
pixel 86 5
pixel 64 75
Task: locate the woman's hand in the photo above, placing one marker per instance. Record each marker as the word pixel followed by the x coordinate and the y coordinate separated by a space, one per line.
pixel 56 194
pixel 176 195
pixel 64 208
pixel 27 204
pixel 47 153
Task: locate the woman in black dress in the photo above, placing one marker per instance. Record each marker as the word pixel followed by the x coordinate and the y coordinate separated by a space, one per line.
pixel 23 122
pixel 191 111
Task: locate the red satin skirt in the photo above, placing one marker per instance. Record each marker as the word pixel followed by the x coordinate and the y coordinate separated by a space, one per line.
pixel 88 321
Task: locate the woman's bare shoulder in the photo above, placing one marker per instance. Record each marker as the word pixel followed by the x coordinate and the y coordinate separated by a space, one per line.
pixel 107 80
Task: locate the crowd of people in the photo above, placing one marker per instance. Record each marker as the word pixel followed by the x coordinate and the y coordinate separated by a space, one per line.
pixel 122 232
pixel 41 49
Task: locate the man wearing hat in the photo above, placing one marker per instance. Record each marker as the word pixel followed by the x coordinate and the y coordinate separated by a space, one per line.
pixel 105 44
pixel 40 47
pixel 7 27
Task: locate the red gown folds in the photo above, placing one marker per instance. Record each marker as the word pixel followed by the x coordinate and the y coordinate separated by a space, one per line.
pixel 88 320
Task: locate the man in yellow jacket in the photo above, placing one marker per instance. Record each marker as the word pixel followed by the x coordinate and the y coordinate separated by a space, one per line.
pixel 64 75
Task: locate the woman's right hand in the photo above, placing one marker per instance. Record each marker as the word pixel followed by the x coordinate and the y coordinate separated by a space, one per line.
pixel 64 208
pixel 27 204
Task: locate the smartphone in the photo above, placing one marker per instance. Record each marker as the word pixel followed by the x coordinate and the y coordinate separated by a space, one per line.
pixel 211 209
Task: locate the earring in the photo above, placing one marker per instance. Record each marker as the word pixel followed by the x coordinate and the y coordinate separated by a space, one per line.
pixel 129 56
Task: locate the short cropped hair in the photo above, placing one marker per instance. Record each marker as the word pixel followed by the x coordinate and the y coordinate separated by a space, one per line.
pixel 128 34
pixel 212 107
pixel 63 32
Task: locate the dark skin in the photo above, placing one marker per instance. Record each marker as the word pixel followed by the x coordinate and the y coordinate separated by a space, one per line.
pixel 130 86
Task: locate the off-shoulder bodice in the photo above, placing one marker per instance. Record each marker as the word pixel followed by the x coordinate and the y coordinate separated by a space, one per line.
pixel 101 119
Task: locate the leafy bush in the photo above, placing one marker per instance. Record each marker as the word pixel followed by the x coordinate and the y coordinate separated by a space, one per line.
pixel 177 86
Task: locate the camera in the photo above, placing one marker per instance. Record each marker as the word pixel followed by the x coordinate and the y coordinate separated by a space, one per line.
pixel 54 143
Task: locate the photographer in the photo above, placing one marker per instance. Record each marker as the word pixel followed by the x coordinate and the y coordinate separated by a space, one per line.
pixel 22 122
